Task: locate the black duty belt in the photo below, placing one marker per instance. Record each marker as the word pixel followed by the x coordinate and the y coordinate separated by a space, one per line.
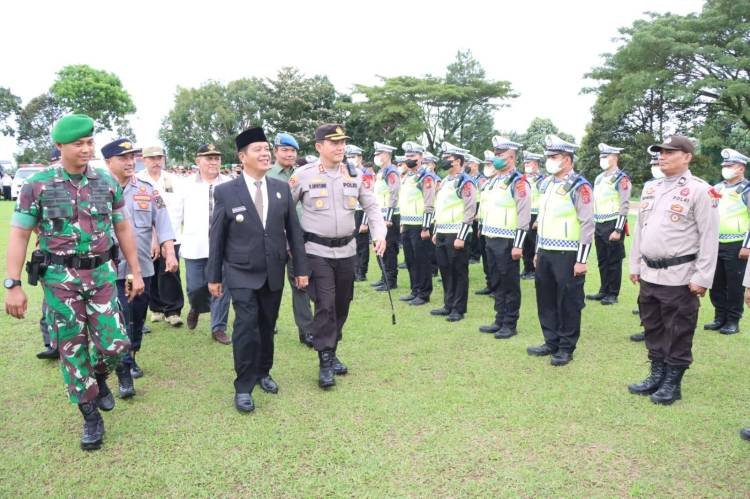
pixel 79 262
pixel 331 242
pixel 669 262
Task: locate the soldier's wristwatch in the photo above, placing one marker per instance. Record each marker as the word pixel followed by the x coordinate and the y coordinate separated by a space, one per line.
pixel 11 283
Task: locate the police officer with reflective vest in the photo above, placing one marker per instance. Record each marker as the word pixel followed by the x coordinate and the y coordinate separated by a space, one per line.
pixel 472 165
pixel 488 173
pixel 534 176
pixel 505 222
pixel 611 205
pixel 565 233
pixel 417 207
pixel 362 233
pixel 734 241
pixel 455 208
pixel 387 184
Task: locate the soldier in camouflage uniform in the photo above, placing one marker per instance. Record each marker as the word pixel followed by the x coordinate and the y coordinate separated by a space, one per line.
pixel 76 209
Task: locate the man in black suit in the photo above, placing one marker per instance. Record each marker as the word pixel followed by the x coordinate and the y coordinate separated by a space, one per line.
pixel 254 221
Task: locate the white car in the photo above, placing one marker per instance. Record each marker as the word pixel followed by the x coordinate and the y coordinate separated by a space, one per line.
pixel 21 175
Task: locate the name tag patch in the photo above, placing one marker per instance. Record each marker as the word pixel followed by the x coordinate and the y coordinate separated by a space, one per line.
pixel 238 209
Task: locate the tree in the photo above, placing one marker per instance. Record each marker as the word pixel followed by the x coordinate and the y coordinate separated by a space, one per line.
pixel 35 121
pixel 99 94
pixel 9 106
pixel 533 139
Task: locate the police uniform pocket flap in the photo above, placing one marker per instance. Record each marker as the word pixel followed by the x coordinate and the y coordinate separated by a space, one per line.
pixel 142 218
pixel 318 193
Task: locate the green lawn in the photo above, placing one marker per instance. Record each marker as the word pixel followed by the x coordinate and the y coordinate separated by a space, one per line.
pixel 428 409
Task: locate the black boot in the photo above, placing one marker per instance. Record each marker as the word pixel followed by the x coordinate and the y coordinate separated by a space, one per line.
pixel 125 381
pixel 93 426
pixel 135 369
pixel 730 327
pixel 638 337
pixel 105 400
pixel 48 353
pixel 670 390
pixel 745 433
pixel 326 378
pixel 715 325
pixel 652 382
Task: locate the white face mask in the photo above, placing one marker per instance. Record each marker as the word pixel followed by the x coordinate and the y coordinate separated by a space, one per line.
pixel 378 161
pixel 489 171
pixel 656 172
pixel 528 169
pixel 728 173
pixel 604 163
pixel 553 166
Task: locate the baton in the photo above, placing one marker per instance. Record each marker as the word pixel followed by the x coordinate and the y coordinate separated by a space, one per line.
pixel 385 281
pixel 129 288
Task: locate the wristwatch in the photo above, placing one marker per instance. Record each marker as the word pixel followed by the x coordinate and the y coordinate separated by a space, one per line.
pixel 11 283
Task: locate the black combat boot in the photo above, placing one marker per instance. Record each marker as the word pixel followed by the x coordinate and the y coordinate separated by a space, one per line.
pixel 125 381
pixel 93 426
pixel 670 390
pixel 652 382
pixel 326 378
pixel 105 400
pixel 135 369
pixel 715 325
pixel 339 368
pixel 638 336
pixel 745 433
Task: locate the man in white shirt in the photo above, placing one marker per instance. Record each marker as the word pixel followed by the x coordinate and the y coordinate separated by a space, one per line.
pixel 194 211
pixel 165 298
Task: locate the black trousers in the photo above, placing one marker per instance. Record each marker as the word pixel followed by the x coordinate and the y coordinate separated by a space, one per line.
pixel 472 242
pixel 559 299
pixel 529 247
pixel 505 280
pixel 166 288
pixel 669 315
pixel 134 311
pixel 363 245
pixel 390 257
pixel 416 252
pixel 454 270
pixel 727 291
pixel 609 255
pixel 331 290
pixel 485 265
pixel 255 314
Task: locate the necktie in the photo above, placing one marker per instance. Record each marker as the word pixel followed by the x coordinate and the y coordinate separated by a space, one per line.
pixel 259 201
pixel 210 201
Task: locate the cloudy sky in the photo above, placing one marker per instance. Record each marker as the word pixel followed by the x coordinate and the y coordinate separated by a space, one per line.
pixel 544 47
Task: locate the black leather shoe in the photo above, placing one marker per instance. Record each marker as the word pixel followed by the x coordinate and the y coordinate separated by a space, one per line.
pixel 402 265
pixel 595 296
pixel 609 300
pixel 714 326
pixel 745 433
pixel 48 353
pixel 192 319
pixel 306 339
pixel 638 337
pixel 360 278
pixel 561 358
pixel 483 291
pixel 670 390
pixel 635 311
pixel 418 301
pixel 268 385
pixel 384 288
pixel 440 311
pixel 125 381
pixel 326 378
pixel 93 427
pixel 105 400
pixel 652 382
pixel 490 328
pixel 135 370
pixel 730 327
pixel 408 297
pixel 377 283
pixel 454 317
pixel 540 351
pixel 145 329
pixel 244 402
pixel 339 368
pixel 505 332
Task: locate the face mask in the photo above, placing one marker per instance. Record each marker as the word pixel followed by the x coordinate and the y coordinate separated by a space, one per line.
pixel 446 163
pixel 603 163
pixel 528 169
pixel 467 169
pixel 499 163
pixel 656 172
pixel 489 171
pixel 411 163
pixel 378 161
pixel 553 166
pixel 353 161
pixel 728 173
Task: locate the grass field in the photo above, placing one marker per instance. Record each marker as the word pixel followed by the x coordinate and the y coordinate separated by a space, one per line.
pixel 428 409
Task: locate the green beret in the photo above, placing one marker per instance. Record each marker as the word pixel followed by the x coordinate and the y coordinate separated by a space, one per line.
pixel 71 128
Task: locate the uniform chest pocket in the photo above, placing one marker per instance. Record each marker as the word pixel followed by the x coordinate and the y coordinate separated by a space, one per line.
pixel 351 195
pixel 319 199
pixel 677 214
pixel 142 218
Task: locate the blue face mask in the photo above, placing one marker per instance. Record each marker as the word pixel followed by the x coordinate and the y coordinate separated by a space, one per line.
pixel 499 163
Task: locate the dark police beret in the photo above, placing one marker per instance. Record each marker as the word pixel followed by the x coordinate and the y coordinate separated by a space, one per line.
pixel 250 136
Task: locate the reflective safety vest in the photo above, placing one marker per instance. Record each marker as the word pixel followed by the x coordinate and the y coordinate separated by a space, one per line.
pixel 449 207
pixel 535 194
pixel 558 225
pixel 501 214
pixel 483 202
pixel 607 197
pixel 411 200
pixel 734 220
pixel 382 190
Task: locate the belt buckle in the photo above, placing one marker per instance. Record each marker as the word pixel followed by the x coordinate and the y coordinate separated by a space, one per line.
pixel 85 262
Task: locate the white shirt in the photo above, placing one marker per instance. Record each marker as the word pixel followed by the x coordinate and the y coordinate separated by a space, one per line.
pixel 192 214
pixel 250 182
pixel 168 187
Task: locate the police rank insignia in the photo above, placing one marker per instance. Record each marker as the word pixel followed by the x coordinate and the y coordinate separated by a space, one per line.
pixel 278 195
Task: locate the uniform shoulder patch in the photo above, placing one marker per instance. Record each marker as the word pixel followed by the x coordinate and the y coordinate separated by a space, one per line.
pixel 585 192
pixel 293 180
pixel 392 178
pixel 521 187
pixel 467 189
pixel 427 182
pixel 624 182
pixel 715 196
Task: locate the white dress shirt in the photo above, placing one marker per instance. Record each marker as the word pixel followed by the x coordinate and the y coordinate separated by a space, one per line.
pixel 250 181
pixel 192 213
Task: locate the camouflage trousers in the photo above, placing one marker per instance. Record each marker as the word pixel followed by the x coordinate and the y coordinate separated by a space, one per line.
pixel 86 325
